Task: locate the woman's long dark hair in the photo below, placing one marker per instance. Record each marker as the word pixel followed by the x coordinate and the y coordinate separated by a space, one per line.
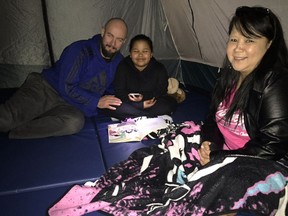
pixel 251 22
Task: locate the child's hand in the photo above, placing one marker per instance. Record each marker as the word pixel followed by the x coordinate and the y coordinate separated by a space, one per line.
pixel 149 103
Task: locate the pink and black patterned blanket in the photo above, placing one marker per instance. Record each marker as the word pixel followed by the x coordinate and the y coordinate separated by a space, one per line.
pixel 167 179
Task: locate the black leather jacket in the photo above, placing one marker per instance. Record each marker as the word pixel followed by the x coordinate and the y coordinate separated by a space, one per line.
pixel 266 120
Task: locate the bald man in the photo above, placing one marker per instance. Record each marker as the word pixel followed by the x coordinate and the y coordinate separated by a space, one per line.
pixel 55 102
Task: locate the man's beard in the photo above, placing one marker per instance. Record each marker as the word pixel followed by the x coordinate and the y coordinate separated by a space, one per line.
pixel 106 53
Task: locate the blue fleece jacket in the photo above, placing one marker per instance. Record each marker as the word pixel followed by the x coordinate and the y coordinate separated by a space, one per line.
pixel 81 76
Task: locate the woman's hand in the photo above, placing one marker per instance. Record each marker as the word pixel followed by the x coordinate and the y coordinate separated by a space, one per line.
pixel 204 153
pixel 149 103
pixel 109 102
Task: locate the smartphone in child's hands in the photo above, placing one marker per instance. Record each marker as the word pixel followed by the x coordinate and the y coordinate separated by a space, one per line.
pixel 135 94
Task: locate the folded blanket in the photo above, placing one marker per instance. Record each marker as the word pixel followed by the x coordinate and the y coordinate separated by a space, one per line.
pixel 167 179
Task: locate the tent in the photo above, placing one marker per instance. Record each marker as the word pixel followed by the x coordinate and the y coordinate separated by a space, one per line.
pixel 189 35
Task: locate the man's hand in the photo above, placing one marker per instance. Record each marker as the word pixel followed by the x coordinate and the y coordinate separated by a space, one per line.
pixel 149 103
pixel 109 102
pixel 204 153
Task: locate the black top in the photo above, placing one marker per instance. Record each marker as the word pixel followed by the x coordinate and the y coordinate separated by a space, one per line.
pixel 265 117
pixel 151 82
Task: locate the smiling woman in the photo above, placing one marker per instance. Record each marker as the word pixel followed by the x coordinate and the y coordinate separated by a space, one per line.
pixel 249 114
pixel 256 47
pixel 247 45
pixel 245 53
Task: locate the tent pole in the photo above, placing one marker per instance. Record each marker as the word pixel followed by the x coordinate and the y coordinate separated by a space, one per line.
pixel 47 32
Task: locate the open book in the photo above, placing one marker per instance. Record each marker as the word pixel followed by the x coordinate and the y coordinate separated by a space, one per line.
pixel 136 129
